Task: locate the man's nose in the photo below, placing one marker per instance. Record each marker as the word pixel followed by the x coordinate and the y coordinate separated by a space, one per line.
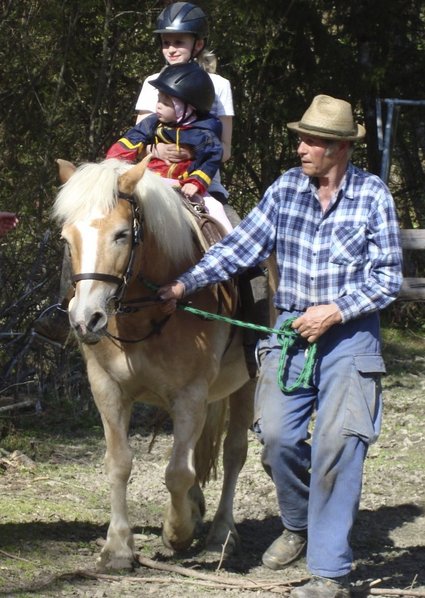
pixel 299 148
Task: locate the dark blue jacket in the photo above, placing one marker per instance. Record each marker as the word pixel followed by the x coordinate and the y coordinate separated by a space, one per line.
pixel 202 135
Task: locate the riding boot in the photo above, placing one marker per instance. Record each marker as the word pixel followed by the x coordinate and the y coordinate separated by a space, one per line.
pixel 231 214
pixel 53 324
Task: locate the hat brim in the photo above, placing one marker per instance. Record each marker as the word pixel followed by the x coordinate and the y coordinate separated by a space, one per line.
pixel 334 136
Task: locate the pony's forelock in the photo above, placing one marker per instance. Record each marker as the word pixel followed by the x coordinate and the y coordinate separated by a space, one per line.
pixel 91 189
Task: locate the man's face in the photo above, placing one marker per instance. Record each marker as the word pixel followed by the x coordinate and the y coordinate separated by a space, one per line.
pixel 318 156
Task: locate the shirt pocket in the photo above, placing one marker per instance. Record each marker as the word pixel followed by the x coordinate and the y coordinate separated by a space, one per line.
pixel 363 407
pixel 348 245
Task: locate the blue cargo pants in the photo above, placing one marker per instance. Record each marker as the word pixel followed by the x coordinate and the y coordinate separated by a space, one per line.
pixel 316 439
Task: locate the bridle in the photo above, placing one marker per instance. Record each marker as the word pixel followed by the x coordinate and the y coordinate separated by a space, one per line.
pixel 136 238
pixel 131 306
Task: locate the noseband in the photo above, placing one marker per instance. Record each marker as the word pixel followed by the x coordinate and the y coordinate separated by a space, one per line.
pixel 136 238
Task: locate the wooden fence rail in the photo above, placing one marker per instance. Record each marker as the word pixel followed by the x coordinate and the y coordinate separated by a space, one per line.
pixel 413 289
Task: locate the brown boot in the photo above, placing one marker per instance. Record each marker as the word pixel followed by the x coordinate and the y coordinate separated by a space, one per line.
pixel 53 325
pixel 323 587
pixel 285 549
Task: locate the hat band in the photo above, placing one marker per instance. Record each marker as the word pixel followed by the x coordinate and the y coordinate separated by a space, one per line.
pixel 301 125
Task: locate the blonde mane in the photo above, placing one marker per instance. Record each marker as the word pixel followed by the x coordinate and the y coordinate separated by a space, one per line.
pixel 92 192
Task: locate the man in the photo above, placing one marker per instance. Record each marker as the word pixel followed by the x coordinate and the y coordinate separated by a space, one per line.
pixel 334 229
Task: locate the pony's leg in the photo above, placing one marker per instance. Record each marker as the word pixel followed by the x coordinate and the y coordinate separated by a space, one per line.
pixel 185 507
pixel 118 551
pixel 223 532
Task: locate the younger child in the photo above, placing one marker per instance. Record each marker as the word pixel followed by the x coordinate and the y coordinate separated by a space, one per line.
pixel 182 117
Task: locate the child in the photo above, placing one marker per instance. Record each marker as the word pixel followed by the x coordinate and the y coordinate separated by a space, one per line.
pixel 182 117
pixel 182 31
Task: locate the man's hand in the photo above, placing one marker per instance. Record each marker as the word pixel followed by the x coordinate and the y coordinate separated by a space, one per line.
pixel 170 294
pixel 316 321
pixel 170 153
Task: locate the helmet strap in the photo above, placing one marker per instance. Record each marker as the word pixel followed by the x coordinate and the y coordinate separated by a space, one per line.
pixel 185 113
pixel 194 55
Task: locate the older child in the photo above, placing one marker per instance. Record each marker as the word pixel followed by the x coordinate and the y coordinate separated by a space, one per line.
pixel 182 28
pixel 182 117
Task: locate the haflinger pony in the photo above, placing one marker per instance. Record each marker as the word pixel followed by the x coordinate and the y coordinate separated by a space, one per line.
pixel 128 232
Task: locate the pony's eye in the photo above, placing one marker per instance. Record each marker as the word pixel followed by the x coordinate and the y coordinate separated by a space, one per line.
pixel 121 235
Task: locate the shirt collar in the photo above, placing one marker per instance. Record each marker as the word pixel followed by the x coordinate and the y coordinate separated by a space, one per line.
pixel 347 184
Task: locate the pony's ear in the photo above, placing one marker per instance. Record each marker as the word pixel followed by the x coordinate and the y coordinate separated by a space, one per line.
pixel 66 169
pixel 127 182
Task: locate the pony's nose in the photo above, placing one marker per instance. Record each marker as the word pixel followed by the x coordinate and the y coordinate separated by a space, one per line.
pixel 97 321
pixel 91 326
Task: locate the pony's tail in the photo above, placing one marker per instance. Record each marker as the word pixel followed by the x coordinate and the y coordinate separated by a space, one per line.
pixel 208 446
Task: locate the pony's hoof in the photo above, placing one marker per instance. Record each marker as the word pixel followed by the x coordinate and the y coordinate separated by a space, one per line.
pixel 108 561
pixel 176 545
pixel 229 546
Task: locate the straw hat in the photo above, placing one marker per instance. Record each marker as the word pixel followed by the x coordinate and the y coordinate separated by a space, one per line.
pixel 329 118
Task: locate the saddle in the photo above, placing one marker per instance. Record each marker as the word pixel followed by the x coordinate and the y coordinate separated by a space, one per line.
pixel 208 231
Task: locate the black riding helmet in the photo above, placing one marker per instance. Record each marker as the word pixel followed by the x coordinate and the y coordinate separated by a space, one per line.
pixel 183 17
pixel 188 82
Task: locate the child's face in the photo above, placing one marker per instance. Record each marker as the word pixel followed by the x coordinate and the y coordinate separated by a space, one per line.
pixel 165 110
pixel 177 48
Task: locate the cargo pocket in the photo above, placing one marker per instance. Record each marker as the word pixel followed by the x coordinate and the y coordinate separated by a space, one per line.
pixel 266 384
pixel 363 408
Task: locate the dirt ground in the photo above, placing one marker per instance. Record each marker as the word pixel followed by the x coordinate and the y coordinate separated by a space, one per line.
pixel 54 509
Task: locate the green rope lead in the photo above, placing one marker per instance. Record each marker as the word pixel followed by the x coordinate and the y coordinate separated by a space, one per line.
pixel 286 338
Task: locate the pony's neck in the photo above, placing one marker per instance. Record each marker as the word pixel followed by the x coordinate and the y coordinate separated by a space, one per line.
pixel 157 267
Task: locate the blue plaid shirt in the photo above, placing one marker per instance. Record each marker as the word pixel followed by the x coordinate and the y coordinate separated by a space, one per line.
pixel 351 255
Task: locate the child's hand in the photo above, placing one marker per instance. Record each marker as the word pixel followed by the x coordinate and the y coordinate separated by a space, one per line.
pixel 189 189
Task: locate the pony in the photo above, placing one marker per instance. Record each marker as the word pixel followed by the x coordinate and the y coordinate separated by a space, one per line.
pixel 128 233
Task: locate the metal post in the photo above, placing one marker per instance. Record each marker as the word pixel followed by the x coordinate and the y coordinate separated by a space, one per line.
pixel 386 153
